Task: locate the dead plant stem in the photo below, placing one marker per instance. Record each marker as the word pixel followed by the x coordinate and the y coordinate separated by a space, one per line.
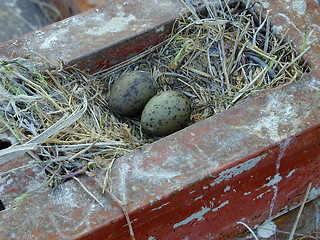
pixel 294 227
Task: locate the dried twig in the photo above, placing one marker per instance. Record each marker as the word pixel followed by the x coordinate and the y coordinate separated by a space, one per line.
pixel 299 213
pixel 125 212
pixel 90 193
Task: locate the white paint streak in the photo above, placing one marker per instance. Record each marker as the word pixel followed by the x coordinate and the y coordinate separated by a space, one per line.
pixel 291 173
pixel 196 216
pixel 236 170
pixel 261 195
pixel 246 193
pixel 196 199
pixel 220 206
pixel 227 189
pixel 154 209
pixel 277 178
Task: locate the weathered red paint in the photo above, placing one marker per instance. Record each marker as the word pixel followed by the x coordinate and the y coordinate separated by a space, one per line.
pixel 125 50
pixel 247 164
pixel 98 37
pixel 300 154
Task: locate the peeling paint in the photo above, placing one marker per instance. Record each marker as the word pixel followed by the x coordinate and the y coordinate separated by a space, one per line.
pixel 275 180
pixel 291 173
pixel 220 206
pixel 196 216
pixel 236 170
pixel 261 195
pixel 196 199
pixel 154 209
pixel 227 189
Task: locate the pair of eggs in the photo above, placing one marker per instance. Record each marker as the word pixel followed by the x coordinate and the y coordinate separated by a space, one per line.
pixel 162 114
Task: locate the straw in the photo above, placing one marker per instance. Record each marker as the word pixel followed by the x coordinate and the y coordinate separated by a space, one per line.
pixel 217 61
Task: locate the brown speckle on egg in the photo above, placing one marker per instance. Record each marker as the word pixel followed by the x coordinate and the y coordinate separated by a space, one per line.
pixel 162 116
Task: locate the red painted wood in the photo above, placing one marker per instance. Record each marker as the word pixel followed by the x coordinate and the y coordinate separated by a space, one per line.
pixel 247 164
pixel 210 207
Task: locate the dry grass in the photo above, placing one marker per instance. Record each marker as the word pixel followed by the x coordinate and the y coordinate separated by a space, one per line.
pixel 218 61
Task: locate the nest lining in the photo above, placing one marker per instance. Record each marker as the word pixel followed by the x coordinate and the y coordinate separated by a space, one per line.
pixel 217 60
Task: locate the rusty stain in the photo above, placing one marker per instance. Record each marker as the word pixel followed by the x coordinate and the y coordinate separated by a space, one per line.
pixel 258 156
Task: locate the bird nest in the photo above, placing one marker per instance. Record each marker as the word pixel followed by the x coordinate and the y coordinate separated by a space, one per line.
pixel 217 59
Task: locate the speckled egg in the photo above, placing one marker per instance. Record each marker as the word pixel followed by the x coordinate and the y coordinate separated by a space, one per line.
pixel 166 113
pixel 130 93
